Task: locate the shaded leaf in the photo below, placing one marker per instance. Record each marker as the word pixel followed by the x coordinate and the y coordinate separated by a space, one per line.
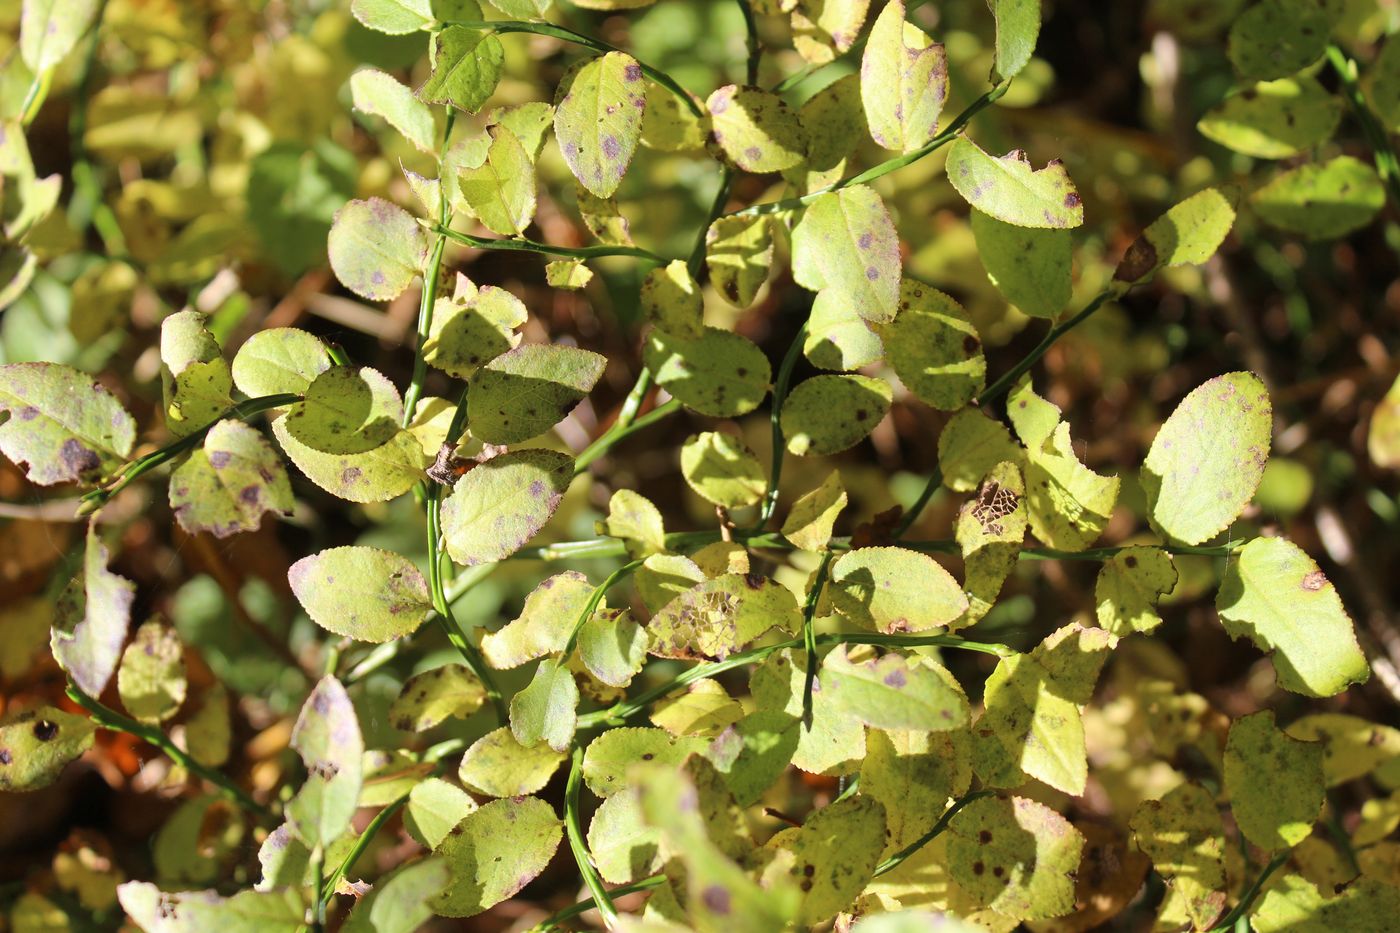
pixel 499 506
pixel 377 475
pixel 467 65
pixel 380 94
pixel 227 485
pixel 327 736
pixel 526 391
pixel 831 743
pixel 347 410
pixel 831 857
pixel 754 752
pixel 722 470
pixel 845 248
pixel 63 425
pixel 544 622
pixel 1275 38
pixel 432 697
pixel 1321 200
pixel 810 521
pixel 547 709
pixel 1018 27
pixel 91 619
pixel 672 300
pixel 473 326
pixel 934 347
pixel 151 679
pixel 399 901
pixel 1189 233
pixel 721 616
pixel 1031 267
pixel 1274 781
pixel 1274 119
pixel 195 377
pixel 1015 856
pixel 738 254
pixel 434 808
pixel 1185 839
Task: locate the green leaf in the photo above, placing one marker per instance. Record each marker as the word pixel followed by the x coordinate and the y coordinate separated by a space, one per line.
pixel 721 616
pixel 499 766
pixel 1018 27
pixel 547 709
pixel 834 122
pixel 567 273
pixel 376 248
pixel 914 774
pixel 1383 85
pixel 613 647
pixel 1274 594
pixel 970 446
pixel 838 338
pixel 894 692
pixel 934 347
pixel 1274 119
pixel 494 852
pixel 831 857
pixel 622 845
pixel 225 486
pixel 701 709
pixel 529 122
pixel 722 470
pixel 831 743
pixel 151 678
pixel 598 109
pixel 526 391
pixel 376 475
pixel 327 736
pixel 544 622
pixel 823 29
pixel 467 65
pixel 1129 586
pixel 903 81
pixel 91 618
pixel 753 753
pixel 395 17
pixel 1321 200
pixel 755 130
pixel 1295 905
pixel 500 190
pixel 1208 458
pixel 603 218
pixel 501 504
pixel 347 410
pixel 1275 38
pixel 846 248
pixel 1274 782
pixel 195 377
pixel 399 901
pixel 891 589
pixel 37 744
pixel 720 374
pixel 434 807
pixel 1185 839
pixel 1016 856
pixel 1007 188
pixel 157 911
pixel 432 697
pixel 827 414
pixel 636 521
pixel 1352 747
pixel 738 255
pixel 1069 503
pixel 607 758
pixel 63 425
pixel 1189 233
pixel 663 577
pixel 669 125
pixel 810 521
pixel 364 593
pixel 49 29
pixel 1030 267
pixel 672 300
pixel 382 95
pixel 473 326
pixel 277 361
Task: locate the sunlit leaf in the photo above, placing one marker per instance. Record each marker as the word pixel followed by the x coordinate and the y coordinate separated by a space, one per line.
pixel 1274 594
pixel 151 678
pixel 845 248
pixel 1030 266
pixel 195 377
pixel 970 446
pixel 721 616
pixel 467 65
pixel 500 190
pixel 813 515
pixel 891 589
pixel 990 532
pixel 499 766
pixel 672 301
pixel 499 506
pixel 1016 856
pixel 227 485
pixel 494 852
pixel 903 81
pixel 827 414
pixel 831 857
pixel 1321 200
pixel 395 17
pixel 607 758
pixel 752 753
pixel 377 475
pixel 934 347
pixel 720 374
pixel 1352 747
pixel 544 623
pixel 722 470
pixel 1295 905
pixel 914 774
pixel 823 29
pixel 669 125
pixel 1009 189
pixel 598 109
pixel 526 391
pixel 701 709
pixel 91 618
pixel 380 94
pixel 1129 587
pixel 547 709
pixel 1185 839
pixel 432 697
pixel 376 248
pixel 279 360
pixel 1018 27
pixel 473 326
pixel 63 425
pixel 399 902
pixel 1189 233
pixel 633 518
pixel 1274 781
pixel 755 129
pixel 327 736
pixel 623 846
pixel 434 808
pixel 1274 119
pixel 36 744
pixel 157 911
pixel 49 29
pixel 347 410
pixel 894 692
pixel 567 273
pixel 738 254
pixel 831 743
pixel 364 593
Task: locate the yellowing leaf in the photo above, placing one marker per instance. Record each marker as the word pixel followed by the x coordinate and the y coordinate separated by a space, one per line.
pixel 990 532
pixel 1129 586
pixel 720 374
pixel 1007 188
pixel 1352 747
pixel 934 347
pixel 894 692
pixel 831 857
pixel 158 911
pixel 1274 594
pixel 195 377
pixel 62 425
pixel 91 618
pixel 432 697
pixel 526 391
pixel 544 623
pixel 1321 200
pixel 891 589
pixel 494 852
pixel 434 807
pixel 376 248
pixel 598 118
pixel 722 470
pixel 36 745
pixel 380 94
pixel 827 414
pixel 347 410
pixel 903 81
pixel 633 518
pixel 672 301
pixel 151 679
pixel 845 248
pixel 738 253
pixel 813 515
pixel 970 446
pixel 499 766
pixel 1031 267
pixel 1274 119
pixel 327 736
pixel 1187 234
pixel 607 758
pixel 278 360
pixel 360 592
pixel 377 475
pixel 466 68
pixel 914 774
pixel 831 743
pixel 500 190
pixel 473 326
pixel 1295 905
pixel 721 616
pixel 622 845
pixel 227 485
pixel 755 129
pixel 1185 839
pixel 1015 856
pixel 500 505
pixel 1274 781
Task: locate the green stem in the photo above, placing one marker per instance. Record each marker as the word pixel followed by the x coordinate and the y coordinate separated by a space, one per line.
pixel 443 608
pixel 573 910
pixel 626 709
pixel 894 861
pixel 568 35
pixel 361 844
pixel 775 417
pixel 591 606
pixel 884 168
pixel 575 833
pixel 428 300
pixel 1387 163
pixel 935 479
pixel 128 473
pixel 621 431
pixel 1247 899
pixel 754 46
pixel 1009 378
pixel 809 636
pixel 111 719
pixel 696 262
pixel 34 96
pixel 318 871
pixel 530 246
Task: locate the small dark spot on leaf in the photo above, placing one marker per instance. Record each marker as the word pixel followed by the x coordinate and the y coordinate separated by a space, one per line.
pixel 44 730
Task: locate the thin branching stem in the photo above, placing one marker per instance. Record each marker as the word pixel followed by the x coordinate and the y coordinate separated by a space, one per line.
pixel 577 38
pixel 809 636
pixel 111 719
pixel 1387 163
pixel 573 828
pixel 884 168
pixel 362 842
pixel 775 419
pixel 427 301
pixel 1248 897
pixel 1008 379
pixel 568 913
pixel 530 246
pixel 594 601
pixel 894 861
pixel 621 431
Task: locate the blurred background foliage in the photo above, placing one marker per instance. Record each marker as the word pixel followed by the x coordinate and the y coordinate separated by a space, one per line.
pixel 209 143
